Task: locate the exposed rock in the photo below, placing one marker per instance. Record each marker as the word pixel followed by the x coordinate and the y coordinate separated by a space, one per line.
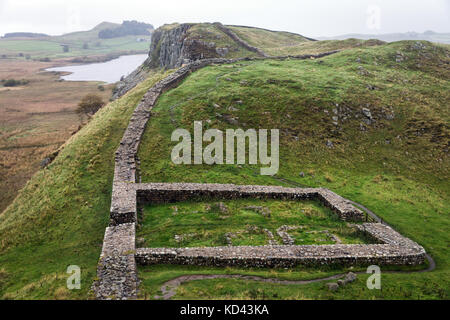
pixel 350 277
pixel 222 52
pixel 333 286
pixel 269 234
pixel 184 237
pixel 399 57
pixel 140 242
pixel 264 211
pixel 221 207
pixel 229 238
pixel 329 144
pixel 46 162
pixel 284 235
pixel 362 71
pixel 367 116
pixel 132 80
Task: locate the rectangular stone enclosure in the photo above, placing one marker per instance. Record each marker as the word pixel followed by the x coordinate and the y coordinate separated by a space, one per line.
pixel 391 248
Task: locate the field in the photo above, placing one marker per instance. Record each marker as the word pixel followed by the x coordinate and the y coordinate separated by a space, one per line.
pixel 244 222
pixel 393 161
pixel 35 120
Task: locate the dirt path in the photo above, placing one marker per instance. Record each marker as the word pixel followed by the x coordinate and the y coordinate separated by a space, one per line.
pixel 169 288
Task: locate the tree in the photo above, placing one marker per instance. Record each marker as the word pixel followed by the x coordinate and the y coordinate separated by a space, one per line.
pixel 90 104
pixel 11 83
pixel 125 29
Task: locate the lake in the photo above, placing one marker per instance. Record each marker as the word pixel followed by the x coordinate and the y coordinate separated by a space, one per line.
pixel 109 72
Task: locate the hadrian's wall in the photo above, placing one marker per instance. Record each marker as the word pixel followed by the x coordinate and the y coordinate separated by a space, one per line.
pixel 241 42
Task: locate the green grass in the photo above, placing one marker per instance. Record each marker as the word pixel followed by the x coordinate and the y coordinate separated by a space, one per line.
pixel 396 167
pixel 393 287
pixel 279 43
pixel 271 42
pixel 205 224
pixel 207 32
pixel 59 218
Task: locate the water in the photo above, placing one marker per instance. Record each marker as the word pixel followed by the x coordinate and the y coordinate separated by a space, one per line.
pixel 109 72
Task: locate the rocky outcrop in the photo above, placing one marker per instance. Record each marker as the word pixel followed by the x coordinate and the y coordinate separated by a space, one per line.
pixel 168 47
pixel 131 81
pixel 173 47
pixel 177 46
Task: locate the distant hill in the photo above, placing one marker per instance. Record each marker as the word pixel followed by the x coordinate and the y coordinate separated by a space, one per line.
pixel 127 28
pixel 132 37
pixel 25 35
pixel 392 37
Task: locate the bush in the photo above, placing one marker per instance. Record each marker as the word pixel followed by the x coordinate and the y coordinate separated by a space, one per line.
pixel 12 83
pixel 101 88
pixel 90 104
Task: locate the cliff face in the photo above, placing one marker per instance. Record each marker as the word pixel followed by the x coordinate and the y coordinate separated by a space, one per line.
pixel 176 45
pixel 179 44
pixel 168 47
pixel 185 43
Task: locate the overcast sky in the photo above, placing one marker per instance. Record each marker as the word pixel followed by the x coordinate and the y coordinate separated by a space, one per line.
pixel 314 18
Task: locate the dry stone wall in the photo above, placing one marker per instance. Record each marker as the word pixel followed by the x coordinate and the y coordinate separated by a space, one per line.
pixel 393 249
pixel 241 42
pixel 117 266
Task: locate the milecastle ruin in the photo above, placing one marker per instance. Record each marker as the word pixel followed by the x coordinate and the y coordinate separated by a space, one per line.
pixel 117 268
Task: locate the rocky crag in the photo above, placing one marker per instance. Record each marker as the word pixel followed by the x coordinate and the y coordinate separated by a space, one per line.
pixel 177 45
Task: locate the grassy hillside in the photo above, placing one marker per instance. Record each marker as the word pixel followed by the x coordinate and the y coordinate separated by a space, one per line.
pixel 395 161
pixel 279 43
pixel 271 42
pixel 59 218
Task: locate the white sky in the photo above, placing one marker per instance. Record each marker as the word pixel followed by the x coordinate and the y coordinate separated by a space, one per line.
pixel 312 18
